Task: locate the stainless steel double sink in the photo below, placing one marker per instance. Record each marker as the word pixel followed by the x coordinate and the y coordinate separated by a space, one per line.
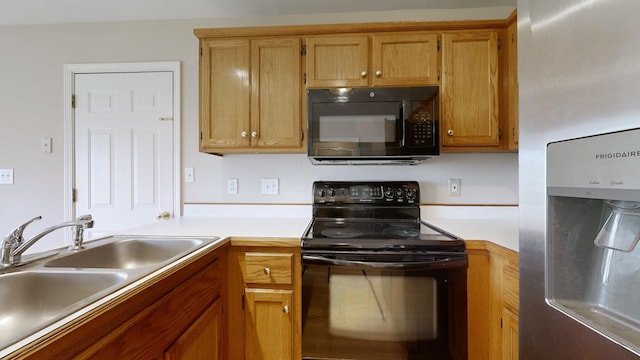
pixel 42 292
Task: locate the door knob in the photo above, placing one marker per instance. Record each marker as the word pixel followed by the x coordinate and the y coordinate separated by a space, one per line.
pixel 165 215
pixel 243 134
pixel 450 132
pixel 363 74
pixel 267 271
pixel 254 134
pixel 378 73
pixel 285 309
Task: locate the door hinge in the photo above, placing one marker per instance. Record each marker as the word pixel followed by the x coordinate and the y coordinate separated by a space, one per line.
pixel 303 50
pixel 200 135
pixel 200 51
pixel 500 323
pixel 74 194
pixel 499 133
pixel 73 101
pixel 438 45
pixel 243 301
pixel 499 43
pixel 304 79
pixel 301 135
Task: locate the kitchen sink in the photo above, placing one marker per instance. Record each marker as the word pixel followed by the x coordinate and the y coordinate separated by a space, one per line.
pixel 33 299
pixel 127 253
pixel 41 292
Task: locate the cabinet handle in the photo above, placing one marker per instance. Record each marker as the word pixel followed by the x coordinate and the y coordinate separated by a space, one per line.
pixel 285 309
pixel 243 134
pixel 267 271
pixel 450 132
pixel 378 73
pixel 254 134
pixel 363 74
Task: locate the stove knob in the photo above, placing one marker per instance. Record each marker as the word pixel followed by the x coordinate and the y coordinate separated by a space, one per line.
pixel 388 193
pixel 332 192
pixel 411 194
pixel 321 193
pixel 399 193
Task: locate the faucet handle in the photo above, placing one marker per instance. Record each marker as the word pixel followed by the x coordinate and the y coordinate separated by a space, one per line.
pixel 16 234
pixel 87 220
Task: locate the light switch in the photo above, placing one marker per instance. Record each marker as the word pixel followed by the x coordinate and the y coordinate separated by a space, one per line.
pixel 188 175
pixel 46 144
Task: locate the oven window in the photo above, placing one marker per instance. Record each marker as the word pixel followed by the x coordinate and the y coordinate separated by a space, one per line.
pixel 353 313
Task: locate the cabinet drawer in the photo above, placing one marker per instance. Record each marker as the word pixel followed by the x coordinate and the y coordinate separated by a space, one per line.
pixel 268 268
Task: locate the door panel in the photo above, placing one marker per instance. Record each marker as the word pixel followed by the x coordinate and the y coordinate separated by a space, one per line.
pixel 123 148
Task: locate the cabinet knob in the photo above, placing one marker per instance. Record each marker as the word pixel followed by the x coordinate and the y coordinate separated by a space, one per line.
pixel 285 309
pixel 450 132
pixel 267 271
pixel 254 134
pixel 363 74
pixel 378 73
pixel 243 134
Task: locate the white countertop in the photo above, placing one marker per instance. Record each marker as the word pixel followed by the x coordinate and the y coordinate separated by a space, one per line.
pixel 498 225
pixel 262 227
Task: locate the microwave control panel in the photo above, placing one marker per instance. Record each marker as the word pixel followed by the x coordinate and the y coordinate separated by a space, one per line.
pixel 421 129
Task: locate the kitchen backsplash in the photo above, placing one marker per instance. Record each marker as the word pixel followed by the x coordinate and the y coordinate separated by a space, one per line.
pixel 486 178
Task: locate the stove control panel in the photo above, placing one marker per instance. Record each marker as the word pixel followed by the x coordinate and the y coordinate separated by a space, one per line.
pixel 380 193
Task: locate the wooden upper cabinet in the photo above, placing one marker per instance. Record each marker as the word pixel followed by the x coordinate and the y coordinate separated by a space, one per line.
pixel 250 95
pixel 395 59
pixel 469 92
pixel 276 93
pixel 337 61
pixel 405 59
pixel 224 94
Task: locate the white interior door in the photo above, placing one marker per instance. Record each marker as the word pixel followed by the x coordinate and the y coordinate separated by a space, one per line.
pixel 124 159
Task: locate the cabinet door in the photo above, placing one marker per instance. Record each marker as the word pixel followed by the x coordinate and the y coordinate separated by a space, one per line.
pixel 509 335
pixel 203 340
pixel 337 61
pixel 224 94
pixel 269 330
pixel 470 89
pixel 405 59
pixel 276 93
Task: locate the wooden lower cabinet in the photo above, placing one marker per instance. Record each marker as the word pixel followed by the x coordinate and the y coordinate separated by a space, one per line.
pixel 180 315
pixel 265 303
pixel 268 324
pixel 493 290
pixel 204 339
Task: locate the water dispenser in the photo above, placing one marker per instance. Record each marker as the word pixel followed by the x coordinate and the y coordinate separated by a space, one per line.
pixel 593 227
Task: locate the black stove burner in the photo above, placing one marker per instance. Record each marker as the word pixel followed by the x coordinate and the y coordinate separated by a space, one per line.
pixel 339 233
pixel 401 232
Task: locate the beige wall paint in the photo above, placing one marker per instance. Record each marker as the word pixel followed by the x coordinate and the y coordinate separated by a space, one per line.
pixel 31 96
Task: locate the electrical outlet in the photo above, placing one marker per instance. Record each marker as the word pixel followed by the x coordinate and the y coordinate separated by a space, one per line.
pixel 232 186
pixel 188 175
pixel 6 176
pixel 455 187
pixel 270 187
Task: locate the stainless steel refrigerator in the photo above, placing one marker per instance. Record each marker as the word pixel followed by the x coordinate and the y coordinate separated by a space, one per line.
pixel 579 83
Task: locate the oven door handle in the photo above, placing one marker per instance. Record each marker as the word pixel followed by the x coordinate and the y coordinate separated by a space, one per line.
pixel 442 263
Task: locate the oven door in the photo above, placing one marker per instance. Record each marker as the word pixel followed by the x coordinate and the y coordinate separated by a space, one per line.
pixel 357 311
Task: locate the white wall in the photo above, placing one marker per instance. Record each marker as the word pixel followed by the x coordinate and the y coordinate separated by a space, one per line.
pixel 31 95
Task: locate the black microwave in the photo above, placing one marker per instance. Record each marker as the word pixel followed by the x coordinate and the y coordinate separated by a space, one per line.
pixel 372 125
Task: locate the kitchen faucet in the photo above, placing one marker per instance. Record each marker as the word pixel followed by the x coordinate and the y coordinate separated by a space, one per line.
pixel 13 245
